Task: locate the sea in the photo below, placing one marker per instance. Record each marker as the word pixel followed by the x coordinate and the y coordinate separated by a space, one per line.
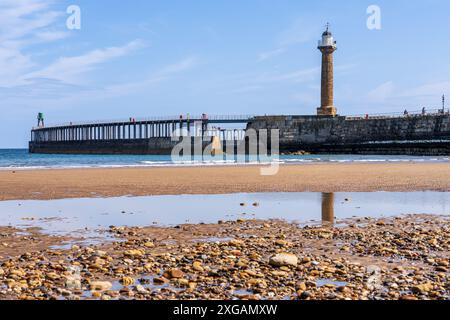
pixel 20 159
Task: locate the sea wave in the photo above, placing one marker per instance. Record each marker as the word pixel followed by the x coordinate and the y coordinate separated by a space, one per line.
pixel 21 160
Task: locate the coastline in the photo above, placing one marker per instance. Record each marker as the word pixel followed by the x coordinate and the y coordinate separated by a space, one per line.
pixel 323 177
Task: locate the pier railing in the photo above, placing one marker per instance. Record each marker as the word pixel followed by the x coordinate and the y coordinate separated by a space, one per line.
pixel 142 128
pixel 179 118
pixel 416 113
pixel 167 127
pixel 232 118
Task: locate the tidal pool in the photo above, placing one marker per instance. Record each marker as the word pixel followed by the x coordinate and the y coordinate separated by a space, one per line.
pixel 87 217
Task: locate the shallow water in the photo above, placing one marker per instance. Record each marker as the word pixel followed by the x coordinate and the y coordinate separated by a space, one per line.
pixel 15 159
pixel 324 282
pixel 88 217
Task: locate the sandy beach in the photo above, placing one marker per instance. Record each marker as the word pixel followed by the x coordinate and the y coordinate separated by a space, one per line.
pixel 73 183
pixel 398 258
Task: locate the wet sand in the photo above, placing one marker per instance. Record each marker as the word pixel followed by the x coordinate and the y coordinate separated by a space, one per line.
pixel 75 183
pixel 15 242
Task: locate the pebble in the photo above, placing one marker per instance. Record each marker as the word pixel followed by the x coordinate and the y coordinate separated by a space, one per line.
pixel 100 285
pixel 175 274
pixel 140 289
pixel 281 243
pixel 197 266
pixel 300 286
pixel 160 280
pixel 127 281
pixel 134 253
pixel 408 298
pixel 422 288
pixel 284 259
pixel 73 282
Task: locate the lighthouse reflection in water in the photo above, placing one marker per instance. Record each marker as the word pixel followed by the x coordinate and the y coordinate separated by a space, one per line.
pixel 328 209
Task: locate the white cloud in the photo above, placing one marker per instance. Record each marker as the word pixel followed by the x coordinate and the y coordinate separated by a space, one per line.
pixel 303 75
pixel 247 89
pixel 24 23
pixel 50 36
pixel 300 31
pixel 434 90
pixel 68 69
pixel 51 89
pixel 382 92
pixel 179 66
pixel 414 98
pixel 40 88
pixel 161 75
pixel 270 54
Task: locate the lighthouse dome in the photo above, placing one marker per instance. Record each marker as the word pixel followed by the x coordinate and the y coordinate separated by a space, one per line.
pixel 327 39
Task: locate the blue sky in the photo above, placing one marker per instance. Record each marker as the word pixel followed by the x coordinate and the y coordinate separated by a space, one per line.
pixel 145 58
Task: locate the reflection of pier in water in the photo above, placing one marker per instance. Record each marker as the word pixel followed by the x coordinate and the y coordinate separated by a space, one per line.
pixel 328 209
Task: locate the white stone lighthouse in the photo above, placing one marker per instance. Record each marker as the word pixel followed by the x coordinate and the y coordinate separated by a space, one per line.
pixel 327 46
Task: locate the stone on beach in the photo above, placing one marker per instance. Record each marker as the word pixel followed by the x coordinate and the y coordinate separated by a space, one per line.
pixel 134 253
pixel 100 285
pixel 197 266
pixel 175 274
pixel 282 243
pixel 149 244
pixel 284 259
pixel 140 289
pixel 127 281
pixel 422 288
pixel 73 282
pixel 160 280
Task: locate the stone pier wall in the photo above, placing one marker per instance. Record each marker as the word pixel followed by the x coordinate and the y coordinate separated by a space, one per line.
pixel 422 135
